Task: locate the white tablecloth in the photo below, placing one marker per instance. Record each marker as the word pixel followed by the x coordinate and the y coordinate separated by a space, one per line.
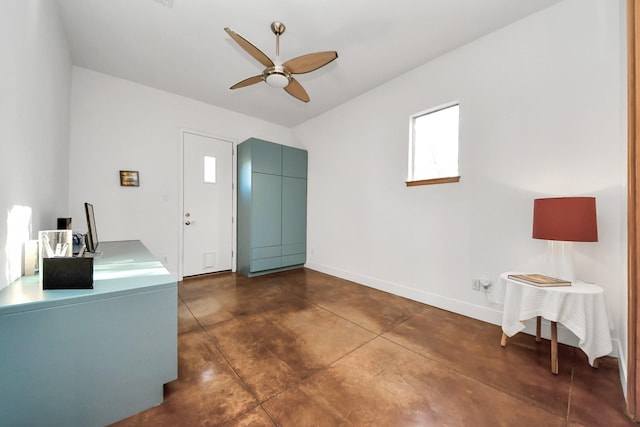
pixel 580 307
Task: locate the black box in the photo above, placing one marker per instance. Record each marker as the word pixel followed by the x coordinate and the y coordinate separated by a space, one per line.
pixel 67 273
pixel 64 223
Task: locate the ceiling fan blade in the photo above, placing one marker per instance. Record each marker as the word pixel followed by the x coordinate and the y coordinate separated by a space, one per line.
pixel 307 63
pixel 248 82
pixel 296 90
pixel 250 49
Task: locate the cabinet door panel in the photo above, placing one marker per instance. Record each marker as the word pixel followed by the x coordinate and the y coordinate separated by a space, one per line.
pixel 266 225
pixel 294 162
pixel 294 211
pixel 266 157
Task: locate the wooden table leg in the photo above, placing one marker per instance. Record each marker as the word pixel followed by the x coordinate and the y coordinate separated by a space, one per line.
pixel 554 348
pixel 538 324
pixel 503 341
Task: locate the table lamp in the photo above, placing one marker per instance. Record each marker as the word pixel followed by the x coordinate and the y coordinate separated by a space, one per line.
pixel 562 221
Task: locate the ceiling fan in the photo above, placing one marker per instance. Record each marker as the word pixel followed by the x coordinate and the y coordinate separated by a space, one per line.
pixel 280 74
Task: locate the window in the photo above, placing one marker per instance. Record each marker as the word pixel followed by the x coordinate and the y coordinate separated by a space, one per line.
pixel 433 150
pixel 209 170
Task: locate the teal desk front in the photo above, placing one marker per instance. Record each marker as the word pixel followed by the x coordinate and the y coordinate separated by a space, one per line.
pixel 89 357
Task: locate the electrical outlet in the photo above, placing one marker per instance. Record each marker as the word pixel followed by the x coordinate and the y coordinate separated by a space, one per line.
pixel 475 284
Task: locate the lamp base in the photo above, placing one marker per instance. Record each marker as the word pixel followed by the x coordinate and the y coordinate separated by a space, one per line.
pixel 561 258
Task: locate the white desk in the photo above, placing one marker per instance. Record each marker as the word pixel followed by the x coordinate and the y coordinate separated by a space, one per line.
pixel 89 357
pixel 580 307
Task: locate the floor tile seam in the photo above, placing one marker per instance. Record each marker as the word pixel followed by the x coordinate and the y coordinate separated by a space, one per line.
pixel 395 325
pixel 226 359
pixel 228 319
pixel 427 356
pixel 315 373
pixel 223 321
pixel 349 320
pixel 182 299
pixel 360 285
pixel 521 398
pixel 302 379
pixel 273 421
pixel 402 322
pixel 444 363
pixel 201 325
pixel 243 317
pixel 314 304
pixel 243 413
pixel 194 318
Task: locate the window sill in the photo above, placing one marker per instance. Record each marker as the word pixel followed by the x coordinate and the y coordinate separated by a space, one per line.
pixel 433 181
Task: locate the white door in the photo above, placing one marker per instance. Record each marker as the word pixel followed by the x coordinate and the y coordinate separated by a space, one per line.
pixel 208 204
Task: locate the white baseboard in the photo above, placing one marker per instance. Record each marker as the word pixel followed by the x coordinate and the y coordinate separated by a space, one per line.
pixel 474 311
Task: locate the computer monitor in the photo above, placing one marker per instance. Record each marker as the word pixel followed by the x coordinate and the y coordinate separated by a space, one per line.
pixel 91 239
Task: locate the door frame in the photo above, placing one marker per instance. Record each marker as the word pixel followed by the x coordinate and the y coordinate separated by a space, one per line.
pixel 234 203
pixel 633 212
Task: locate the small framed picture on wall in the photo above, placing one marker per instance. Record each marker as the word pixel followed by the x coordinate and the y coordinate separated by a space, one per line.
pixel 129 179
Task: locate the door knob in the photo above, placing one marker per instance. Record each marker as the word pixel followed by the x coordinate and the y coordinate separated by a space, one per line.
pixel 187 214
pixel 187 223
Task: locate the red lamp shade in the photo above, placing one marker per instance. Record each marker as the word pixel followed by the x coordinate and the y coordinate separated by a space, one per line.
pixel 570 219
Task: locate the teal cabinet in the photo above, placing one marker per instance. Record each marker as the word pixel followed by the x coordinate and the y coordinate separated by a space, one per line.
pixel 89 357
pixel 272 207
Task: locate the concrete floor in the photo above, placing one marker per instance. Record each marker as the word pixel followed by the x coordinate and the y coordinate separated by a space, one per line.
pixel 302 348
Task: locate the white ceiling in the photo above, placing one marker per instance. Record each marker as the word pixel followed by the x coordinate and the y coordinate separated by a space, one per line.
pixel 185 50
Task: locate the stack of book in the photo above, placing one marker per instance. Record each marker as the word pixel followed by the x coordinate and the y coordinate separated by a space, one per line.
pixel 539 280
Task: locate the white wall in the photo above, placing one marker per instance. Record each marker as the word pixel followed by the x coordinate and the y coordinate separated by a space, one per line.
pixel 120 125
pixel 542 114
pixel 35 82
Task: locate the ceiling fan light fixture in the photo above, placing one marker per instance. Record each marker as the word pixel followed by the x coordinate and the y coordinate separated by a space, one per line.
pixel 277 77
pixel 277 80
